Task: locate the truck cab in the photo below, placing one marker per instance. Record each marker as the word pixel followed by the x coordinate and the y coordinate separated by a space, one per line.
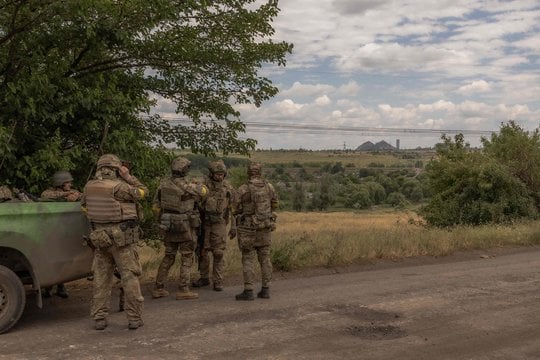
pixel 41 244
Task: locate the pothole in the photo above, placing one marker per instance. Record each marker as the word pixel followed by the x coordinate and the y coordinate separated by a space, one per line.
pixel 376 332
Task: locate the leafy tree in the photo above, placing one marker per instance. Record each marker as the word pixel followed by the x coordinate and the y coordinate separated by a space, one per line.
pixel 389 184
pixel 469 187
pixel 359 197
pixel 519 150
pixel 76 76
pixel 323 197
pixel 298 197
pixel 237 176
pixel 376 192
pixel 396 199
pixel 412 189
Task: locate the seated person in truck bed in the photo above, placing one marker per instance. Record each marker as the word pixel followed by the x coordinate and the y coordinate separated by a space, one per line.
pixel 60 191
pixel 62 188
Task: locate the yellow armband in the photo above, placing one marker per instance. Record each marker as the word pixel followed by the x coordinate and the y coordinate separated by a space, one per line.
pixel 142 193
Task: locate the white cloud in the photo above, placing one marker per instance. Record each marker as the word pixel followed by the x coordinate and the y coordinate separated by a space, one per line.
pixel 323 101
pixel 445 64
pixel 349 89
pixel 303 90
pixel 288 107
pixel 476 86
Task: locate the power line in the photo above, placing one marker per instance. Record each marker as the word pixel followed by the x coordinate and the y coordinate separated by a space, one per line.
pixel 269 127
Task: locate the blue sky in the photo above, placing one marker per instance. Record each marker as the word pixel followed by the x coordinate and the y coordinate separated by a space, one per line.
pixel 425 64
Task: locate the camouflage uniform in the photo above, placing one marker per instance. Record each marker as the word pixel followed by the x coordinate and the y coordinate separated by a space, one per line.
pixel 217 217
pixel 110 203
pixel 15 195
pixel 176 206
pixel 255 221
pixel 61 191
pixel 5 194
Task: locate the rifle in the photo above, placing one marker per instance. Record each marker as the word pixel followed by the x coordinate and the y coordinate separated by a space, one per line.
pixel 199 251
pixel 24 195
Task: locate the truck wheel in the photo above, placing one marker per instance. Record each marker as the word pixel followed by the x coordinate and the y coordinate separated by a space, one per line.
pixel 12 299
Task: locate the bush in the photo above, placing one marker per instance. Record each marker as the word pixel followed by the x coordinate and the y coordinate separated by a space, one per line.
pixel 472 188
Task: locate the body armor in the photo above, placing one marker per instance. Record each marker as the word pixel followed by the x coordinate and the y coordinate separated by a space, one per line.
pixel 103 207
pixel 257 205
pixel 218 198
pixel 176 197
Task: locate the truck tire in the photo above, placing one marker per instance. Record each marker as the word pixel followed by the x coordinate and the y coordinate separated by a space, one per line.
pixel 12 299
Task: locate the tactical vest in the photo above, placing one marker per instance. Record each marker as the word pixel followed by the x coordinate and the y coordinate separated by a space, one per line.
pixel 260 200
pixel 218 198
pixel 103 207
pixel 174 197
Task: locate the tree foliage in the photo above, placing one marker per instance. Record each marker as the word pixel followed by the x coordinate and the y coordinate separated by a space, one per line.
pixel 76 76
pixel 471 187
pixel 519 150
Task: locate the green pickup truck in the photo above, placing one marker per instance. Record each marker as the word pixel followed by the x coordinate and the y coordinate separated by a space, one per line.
pixel 41 244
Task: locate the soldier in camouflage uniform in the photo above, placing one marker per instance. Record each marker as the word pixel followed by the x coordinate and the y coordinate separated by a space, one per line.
pixel 176 207
pixel 109 200
pixel 61 191
pixel 217 215
pixel 255 221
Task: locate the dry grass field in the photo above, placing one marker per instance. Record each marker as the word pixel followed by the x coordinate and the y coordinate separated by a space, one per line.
pixel 358 159
pixel 339 238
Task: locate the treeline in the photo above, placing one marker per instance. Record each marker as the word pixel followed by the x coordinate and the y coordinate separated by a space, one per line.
pixel 497 183
pixel 333 186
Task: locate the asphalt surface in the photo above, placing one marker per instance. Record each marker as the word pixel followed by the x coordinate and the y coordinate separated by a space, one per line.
pixel 481 305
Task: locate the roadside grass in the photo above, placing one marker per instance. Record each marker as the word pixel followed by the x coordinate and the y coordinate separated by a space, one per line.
pixel 314 239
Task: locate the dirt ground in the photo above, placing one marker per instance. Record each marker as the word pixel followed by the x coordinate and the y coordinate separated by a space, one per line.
pixel 475 305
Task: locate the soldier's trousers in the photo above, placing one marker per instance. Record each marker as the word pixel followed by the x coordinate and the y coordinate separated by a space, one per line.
pixel 215 240
pixel 186 249
pixel 255 244
pixel 128 265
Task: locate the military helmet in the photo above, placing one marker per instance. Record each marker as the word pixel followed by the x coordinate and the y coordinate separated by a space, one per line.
pixel 109 160
pixel 180 164
pixel 61 177
pixel 254 169
pixel 217 166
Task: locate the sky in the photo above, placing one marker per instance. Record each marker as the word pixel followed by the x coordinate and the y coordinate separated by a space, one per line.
pixel 372 70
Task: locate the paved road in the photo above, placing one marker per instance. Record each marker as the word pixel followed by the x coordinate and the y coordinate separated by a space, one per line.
pixel 463 307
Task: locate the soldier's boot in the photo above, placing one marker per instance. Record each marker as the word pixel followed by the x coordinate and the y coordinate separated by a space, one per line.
pixel 121 300
pixel 245 295
pixel 46 292
pixel 264 293
pixel 159 292
pixel 218 287
pixel 135 324
pixel 184 293
pixel 61 291
pixel 100 324
pixel 200 283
